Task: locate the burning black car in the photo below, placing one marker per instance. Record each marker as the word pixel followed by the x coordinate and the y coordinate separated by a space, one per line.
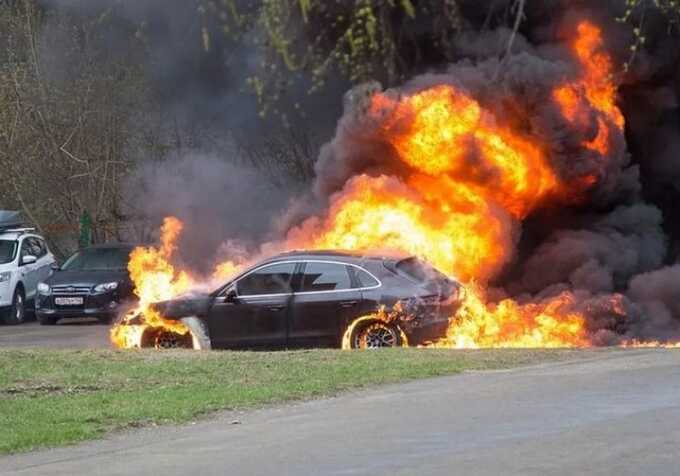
pixel 319 298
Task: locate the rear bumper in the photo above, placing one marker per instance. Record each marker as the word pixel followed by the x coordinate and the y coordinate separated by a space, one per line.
pixel 426 331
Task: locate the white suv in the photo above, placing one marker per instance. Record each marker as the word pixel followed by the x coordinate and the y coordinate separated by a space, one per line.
pixel 25 260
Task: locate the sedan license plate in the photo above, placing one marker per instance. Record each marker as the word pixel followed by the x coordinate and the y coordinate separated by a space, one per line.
pixel 68 301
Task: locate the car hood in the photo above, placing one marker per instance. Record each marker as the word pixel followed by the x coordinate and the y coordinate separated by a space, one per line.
pixel 185 306
pixel 86 278
pixel 8 267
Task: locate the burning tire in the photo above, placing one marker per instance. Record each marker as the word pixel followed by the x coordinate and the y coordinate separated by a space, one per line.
pixel 197 337
pixel 375 335
pixel 171 340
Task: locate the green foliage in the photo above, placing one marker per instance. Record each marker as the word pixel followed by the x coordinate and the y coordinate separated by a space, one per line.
pixel 359 40
pixel 51 398
pixel 636 12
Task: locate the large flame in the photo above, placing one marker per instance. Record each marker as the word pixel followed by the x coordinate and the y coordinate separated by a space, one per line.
pixel 595 87
pixel 467 183
pixel 156 279
pixel 471 182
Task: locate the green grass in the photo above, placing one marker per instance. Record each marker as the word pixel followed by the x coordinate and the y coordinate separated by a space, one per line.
pixel 52 398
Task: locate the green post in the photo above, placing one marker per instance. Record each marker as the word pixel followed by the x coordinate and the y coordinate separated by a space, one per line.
pixel 85 230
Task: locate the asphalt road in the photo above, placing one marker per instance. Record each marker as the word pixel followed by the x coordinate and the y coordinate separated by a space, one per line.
pixel 617 413
pixel 69 333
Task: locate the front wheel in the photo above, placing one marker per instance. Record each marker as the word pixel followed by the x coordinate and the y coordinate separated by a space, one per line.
pixel 375 335
pixel 197 338
pixel 17 313
pixel 165 339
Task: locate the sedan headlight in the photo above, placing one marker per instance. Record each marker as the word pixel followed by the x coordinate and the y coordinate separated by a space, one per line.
pixel 104 287
pixel 6 276
pixel 44 289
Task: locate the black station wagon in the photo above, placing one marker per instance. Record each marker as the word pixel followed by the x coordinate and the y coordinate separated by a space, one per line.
pixel 312 298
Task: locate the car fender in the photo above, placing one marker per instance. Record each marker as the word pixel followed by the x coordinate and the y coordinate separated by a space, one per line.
pixel 199 332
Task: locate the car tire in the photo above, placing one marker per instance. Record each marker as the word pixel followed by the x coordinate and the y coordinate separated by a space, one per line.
pixel 374 334
pixel 197 338
pixel 47 320
pixel 17 312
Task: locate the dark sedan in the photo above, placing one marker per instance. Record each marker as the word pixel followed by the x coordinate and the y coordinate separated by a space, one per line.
pixel 317 299
pixel 94 282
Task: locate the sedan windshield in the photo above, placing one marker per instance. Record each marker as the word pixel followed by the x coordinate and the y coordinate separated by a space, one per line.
pixel 8 249
pixel 98 259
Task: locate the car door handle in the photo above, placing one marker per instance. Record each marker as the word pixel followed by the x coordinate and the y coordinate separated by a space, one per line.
pixel 275 308
pixel 348 303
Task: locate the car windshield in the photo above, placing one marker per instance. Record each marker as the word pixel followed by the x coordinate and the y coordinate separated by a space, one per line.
pixel 8 250
pixel 98 259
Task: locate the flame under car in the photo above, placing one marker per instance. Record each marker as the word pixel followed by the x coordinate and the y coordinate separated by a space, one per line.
pixel 312 299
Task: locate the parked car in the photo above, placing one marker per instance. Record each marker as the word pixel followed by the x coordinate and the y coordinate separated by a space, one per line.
pixel 25 260
pixel 93 282
pixel 311 298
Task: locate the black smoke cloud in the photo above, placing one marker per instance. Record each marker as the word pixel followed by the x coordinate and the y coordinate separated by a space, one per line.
pixel 214 197
pixel 622 239
pixel 609 250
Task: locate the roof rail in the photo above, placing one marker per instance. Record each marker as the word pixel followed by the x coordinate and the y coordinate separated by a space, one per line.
pixel 21 231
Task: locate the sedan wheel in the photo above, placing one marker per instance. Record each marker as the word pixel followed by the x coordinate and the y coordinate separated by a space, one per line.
pixel 171 340
pixel 376 335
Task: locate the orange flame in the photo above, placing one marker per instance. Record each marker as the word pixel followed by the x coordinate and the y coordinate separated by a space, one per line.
pixel 595 87
pixel 509 324
pixel 467 184
pixel 638 344
pixel 156 279
pixel 471 182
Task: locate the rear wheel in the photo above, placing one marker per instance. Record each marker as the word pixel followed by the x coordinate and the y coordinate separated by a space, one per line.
pixel 375 335
pixel 16 313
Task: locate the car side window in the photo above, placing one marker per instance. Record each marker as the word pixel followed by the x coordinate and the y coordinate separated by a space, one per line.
pixel 364 279
pixel 43 246
pixel 272 279
pixel 37 249
pixel 26 247
pixel 319 277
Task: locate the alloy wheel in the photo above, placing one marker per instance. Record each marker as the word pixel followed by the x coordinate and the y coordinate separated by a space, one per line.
pixel 171 340
pixel 375 336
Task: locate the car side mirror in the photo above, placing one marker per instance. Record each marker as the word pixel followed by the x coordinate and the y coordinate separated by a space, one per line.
pixel 231 296
pixel 55 267
pixel 28 259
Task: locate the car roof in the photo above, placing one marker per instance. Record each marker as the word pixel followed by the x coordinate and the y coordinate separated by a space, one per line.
pixel 15 235
pixel 341 255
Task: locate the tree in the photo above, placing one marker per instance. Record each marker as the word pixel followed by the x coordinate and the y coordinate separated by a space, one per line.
pixel 361 40
pixel 66 121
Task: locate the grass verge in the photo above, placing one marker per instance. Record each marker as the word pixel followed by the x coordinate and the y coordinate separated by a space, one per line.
pixel 52 398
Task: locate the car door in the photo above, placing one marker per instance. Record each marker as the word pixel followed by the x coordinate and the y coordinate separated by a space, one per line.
pixel 254 310
pixel 28 272
pixel 325 302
